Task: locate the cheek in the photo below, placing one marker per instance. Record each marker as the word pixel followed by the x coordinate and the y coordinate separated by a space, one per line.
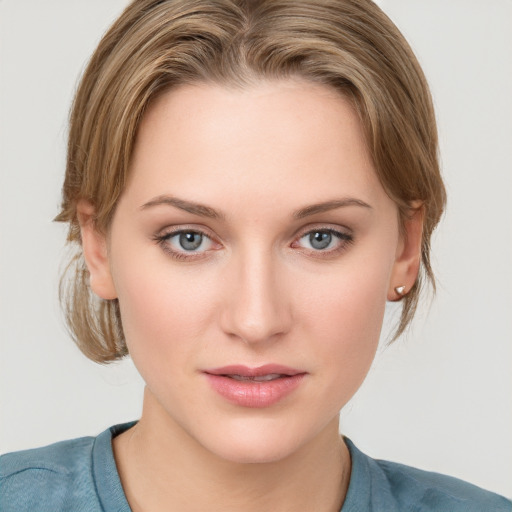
pixel 164 313
pixel 343 314
pixel 347 304
pixel 347 331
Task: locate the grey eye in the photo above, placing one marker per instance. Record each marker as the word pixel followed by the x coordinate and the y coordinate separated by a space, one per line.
pixel 320 239
pixel 190 241
pixel 184 243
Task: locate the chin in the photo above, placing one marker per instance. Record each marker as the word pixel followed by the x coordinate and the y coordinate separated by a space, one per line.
pixel 257 442
pixel 266 452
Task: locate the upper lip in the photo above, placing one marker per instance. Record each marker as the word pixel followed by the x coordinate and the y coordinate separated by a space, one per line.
pixel 246 371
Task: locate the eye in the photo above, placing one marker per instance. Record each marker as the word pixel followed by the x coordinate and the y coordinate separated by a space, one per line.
pixel 319 239
pixel 189 241
pixel 185 243
pixel 324 240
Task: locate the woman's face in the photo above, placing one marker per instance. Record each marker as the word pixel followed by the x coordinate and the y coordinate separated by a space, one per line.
pixel 252 254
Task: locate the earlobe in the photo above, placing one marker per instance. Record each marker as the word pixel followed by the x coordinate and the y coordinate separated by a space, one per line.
pixel 94 245
pixel 408 257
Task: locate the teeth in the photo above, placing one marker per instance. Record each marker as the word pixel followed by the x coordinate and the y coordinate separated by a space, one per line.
pixel 257 378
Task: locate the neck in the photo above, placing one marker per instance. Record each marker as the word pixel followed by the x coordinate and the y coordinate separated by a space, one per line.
pixel 162 468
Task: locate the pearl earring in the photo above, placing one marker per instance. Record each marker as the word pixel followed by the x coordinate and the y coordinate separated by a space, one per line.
pixel 400 290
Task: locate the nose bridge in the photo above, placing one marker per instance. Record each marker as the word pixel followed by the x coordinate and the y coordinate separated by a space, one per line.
pixel 258 307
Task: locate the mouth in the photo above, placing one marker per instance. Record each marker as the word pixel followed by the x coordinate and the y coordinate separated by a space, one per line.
pixel 258 378
pixel 254 387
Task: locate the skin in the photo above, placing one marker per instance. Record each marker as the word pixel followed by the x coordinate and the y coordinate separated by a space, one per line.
pixel 255 292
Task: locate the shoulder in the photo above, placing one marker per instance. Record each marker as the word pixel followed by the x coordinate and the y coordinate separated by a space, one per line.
pixel 55 477
pixel 64 457
pixel 439 492
pixel 392 486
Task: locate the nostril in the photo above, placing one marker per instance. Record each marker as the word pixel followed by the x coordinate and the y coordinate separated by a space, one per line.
pixel 254 322
pixel 256 307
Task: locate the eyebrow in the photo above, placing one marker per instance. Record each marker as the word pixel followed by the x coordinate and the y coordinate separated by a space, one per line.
pixel 188 206
pixel 206 211
pixel 329 205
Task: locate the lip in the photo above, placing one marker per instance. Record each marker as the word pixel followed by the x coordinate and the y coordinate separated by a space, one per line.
pixel 251 393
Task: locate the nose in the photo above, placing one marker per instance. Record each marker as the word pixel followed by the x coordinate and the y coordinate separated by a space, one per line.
pixel 256 306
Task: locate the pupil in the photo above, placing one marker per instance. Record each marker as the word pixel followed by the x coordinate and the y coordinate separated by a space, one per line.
pixel 190 241
pixel 320 240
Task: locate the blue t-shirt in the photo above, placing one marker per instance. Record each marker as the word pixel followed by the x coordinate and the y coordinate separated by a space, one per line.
pixel 81 475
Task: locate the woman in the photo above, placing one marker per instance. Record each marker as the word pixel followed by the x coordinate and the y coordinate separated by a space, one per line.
pixel 247 184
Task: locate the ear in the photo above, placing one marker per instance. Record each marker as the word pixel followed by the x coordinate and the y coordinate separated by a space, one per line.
pixel 408 255
pixel 94 245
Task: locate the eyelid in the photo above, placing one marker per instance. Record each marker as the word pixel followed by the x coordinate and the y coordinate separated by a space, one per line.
pixel 343 233
pixel 345 236
pixel 184 228
pixel 162 237
pixel 337 229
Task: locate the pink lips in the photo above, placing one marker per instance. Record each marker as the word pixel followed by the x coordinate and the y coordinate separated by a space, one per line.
pixel 254 387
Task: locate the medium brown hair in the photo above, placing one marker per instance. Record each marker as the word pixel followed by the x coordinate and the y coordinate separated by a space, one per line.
pixel 350 45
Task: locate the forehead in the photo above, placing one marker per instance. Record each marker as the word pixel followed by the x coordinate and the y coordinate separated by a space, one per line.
pixel 273 140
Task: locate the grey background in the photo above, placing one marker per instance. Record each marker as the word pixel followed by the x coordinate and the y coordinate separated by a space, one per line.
pixel 438 399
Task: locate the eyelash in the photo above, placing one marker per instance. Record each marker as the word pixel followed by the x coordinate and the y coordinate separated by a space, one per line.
pixel 344 241
pixel 164 239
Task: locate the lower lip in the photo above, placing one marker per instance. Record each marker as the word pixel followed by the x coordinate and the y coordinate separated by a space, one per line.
pixel 253 393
